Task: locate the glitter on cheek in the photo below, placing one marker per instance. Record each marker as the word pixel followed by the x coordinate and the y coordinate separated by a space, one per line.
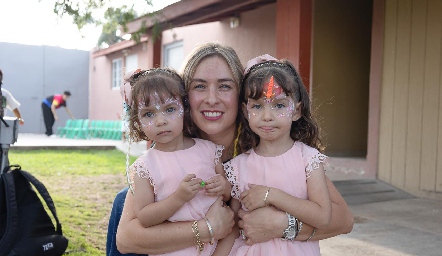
pixel 290 110
pixel 179 105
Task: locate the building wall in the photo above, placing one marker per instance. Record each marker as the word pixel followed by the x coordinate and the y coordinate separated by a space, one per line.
pixel 105 101
pixel 340 74
pixel 32 73
pixel 410 142
pixel 254 36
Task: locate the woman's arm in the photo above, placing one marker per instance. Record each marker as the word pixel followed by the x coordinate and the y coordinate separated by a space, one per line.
pixel 225 245
pixel 166 237
pixel 260 228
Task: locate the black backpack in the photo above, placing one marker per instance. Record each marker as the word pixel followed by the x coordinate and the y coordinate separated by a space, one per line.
pixel 25 226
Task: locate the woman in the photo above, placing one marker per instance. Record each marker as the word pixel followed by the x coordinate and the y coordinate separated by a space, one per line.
pixel 212 76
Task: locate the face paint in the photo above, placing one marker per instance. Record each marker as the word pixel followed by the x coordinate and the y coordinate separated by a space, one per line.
pixel 272 90
pixel 275 99
pixel 170 109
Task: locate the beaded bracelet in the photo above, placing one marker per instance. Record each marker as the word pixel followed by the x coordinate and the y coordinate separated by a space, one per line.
pixel 196 232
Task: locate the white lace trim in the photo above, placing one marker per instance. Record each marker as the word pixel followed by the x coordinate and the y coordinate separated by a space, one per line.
pixel 218 153
pixel 231 177
pixel 139 167
pixel 312 163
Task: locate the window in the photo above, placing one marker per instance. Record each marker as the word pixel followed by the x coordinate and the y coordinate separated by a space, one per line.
pixel 173 55
pixel 117 73
pixel 131 63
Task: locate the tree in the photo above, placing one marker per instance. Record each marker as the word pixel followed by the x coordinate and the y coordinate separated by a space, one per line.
pixel 101 13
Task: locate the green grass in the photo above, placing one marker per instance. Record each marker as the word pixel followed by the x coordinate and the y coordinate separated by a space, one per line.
pixel 83 185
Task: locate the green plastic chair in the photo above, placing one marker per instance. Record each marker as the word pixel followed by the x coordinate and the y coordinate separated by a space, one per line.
pixel 95 130
pixel 82 132
pixel 77 124
pixel 117 132
pixel 61 131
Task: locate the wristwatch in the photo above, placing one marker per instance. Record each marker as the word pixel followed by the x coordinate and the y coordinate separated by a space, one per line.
pixel 290 232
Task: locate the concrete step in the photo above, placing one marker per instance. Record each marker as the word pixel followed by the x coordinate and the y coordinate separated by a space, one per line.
pixel 363 191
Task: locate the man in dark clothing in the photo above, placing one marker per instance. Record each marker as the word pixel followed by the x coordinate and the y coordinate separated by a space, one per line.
pixel 49 105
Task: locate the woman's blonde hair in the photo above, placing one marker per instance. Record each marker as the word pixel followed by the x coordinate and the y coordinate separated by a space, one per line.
pixel 203 51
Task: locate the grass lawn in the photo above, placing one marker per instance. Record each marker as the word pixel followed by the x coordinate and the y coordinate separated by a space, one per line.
pixel 82 184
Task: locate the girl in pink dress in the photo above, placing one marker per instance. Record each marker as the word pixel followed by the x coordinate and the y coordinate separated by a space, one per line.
pixel 179 178
pixel 282 164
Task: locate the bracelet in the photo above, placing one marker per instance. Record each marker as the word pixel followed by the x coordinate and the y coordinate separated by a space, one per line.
pixel 265 197
pixel 299 227
pixel 212 239
pixel 196 232
pixel 310 237
pixel 291 232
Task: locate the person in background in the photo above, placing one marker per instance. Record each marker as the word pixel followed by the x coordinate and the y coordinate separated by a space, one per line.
pixel 9 102
pixel 49 105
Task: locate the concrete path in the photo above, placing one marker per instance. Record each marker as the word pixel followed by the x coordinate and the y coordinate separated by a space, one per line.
pixel 396 227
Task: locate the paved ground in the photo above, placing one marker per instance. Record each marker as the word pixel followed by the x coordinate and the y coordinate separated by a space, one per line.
pixel 387 220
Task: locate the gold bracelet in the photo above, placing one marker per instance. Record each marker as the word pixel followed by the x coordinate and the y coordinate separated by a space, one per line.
pixel 310 237
pixel 196 232
pixel 212 239
pixel 265 197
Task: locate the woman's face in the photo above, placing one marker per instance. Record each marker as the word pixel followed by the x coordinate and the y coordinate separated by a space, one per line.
pixel 213 97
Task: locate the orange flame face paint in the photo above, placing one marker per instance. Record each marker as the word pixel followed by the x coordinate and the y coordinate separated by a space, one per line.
pixel 271 90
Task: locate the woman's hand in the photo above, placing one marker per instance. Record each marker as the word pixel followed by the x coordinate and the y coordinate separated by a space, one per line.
pixel 254 197
pixel 259 227
pixel 221 219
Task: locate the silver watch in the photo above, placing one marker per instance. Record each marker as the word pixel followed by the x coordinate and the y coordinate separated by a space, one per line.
pixel 290 232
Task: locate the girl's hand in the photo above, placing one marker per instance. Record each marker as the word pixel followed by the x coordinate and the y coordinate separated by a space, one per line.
pixel 216 185
pixel 188 187
pixel 254 197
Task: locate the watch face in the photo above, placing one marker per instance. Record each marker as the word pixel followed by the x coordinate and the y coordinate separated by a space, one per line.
pixel 291 233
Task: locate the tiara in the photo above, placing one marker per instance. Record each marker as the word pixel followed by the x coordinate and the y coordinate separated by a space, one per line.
pixel 268 64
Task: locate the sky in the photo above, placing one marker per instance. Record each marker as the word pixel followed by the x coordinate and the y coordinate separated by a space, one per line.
pixel 33 22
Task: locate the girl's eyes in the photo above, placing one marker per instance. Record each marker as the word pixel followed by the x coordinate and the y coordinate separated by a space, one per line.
pixel 170 110
pixel 280 105
pixel 256 106
pixel 149 114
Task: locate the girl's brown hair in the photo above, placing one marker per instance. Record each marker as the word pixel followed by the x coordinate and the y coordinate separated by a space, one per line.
pixel 305 129
pixel 166 83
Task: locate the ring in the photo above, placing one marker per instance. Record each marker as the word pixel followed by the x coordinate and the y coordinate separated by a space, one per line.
pixel 242 234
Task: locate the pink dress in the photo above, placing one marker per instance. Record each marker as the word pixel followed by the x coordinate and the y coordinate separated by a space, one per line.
pixel 166 170
pixel 288 172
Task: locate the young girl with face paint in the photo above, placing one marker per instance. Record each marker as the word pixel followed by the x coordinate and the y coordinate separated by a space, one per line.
pixel 179 178
pixel 282 166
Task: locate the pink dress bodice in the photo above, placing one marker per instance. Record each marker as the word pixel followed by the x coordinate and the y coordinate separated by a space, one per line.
pixel 166 170
pixel 288 172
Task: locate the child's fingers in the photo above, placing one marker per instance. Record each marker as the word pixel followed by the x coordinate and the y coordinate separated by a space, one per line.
pixel 189 177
